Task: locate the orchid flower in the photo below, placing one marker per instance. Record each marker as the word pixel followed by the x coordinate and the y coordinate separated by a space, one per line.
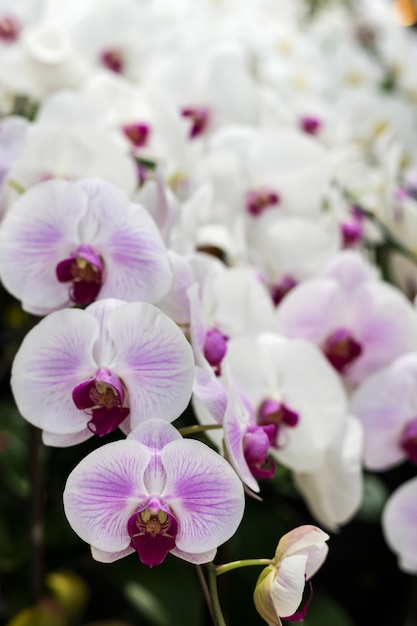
pixel 279 590
pixel 399 525
pixel 84 372
pixel 386 404
pixel 360 322
pixel 154 493
pixel 66 243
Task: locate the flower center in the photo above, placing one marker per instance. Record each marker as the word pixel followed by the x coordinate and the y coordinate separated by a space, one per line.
pixel 113 60
pixel 105 398
pixel 84 270
pixel 215 347
pixel 152 531
pixel 257 201
pixel 409 440
pixel 279 415
pixel 9 28
pixel 137 133
pixel 341 349
pixel 280 290
pixel 199 117
pixel 310 124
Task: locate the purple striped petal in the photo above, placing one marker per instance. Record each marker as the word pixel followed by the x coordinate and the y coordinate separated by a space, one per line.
pixel 41 231
pixel 103 492
pixel 53 358
pixel 154 360
pixel 204 493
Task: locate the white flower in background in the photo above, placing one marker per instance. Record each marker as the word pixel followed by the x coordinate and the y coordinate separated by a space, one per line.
pixel 360 322
pixel 399 525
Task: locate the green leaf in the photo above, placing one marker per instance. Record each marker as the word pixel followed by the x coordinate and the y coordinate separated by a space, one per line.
pixel 147 604
pixel 324 611
pixel 375 494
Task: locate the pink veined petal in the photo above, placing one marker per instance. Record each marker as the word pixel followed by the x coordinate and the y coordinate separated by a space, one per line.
pixel 211 393
pixel 288 587
pixel 154 360
pixel 399 525
pixel 104 490
pixel 205 495
pixel 53 358
pixel 40 231
pixel 134 253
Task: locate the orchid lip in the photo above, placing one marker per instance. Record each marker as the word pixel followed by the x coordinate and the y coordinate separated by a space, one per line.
pixel 84 270
pixel 137 133
pixel 105 399
pixel 341 349
pixel 152 530
pixel 258 200
pixel 199 116
pixel 9 28
pixel 113 60
pixel 215 348
pixel 409 440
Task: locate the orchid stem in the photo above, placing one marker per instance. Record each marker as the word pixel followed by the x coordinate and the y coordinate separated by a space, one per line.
pixel 198 428
pixel 227 567
pixel 205 589
pixel 214 596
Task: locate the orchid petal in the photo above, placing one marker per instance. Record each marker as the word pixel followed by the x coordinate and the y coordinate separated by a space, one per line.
pixel 399 525
pixel 154 360
pixel 110 557
pixel 288 587
pixel 205 495
pixel 64 441
pixel 40 231
pixel 103 491
pixel 197 558
pixel 55 356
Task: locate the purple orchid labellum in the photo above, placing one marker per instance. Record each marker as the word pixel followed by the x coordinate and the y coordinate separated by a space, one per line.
pixel 138 133
pixel 9 28
pixel 280 290
pixel 409 440
pixel 199 116
pixel 258 200
pixel 84 270
pixel 273 412
pixel 311 124
pixel 154 493
pixel 91 243
pixel 84 372
pixel 103 397
pixel 257 442
pixel 215 348
pixel 113 60
pixel 341 349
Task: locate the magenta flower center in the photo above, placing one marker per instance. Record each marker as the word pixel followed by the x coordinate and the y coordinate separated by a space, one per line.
pixel 257 201
pixel 137 133
pixel 280 290
pixel 279 415
pixel 341 349
pixel 199 117
pixel 409 440
pixel 9 28
pixel 215 347
pixel 256 443
pixel 113 60
pixel 104 397
pixel 152 532
pixel 310 124
pixel 84 270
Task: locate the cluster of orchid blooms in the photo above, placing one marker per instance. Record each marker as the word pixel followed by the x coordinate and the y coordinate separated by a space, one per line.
pixel 192 194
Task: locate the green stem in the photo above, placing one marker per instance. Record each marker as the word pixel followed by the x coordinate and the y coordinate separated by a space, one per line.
pixel 214 596
pixel 197 428
pixel 227 567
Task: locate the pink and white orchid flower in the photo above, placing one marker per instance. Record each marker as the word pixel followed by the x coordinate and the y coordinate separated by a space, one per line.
pixel 66 243
pixel 84 372
pixel 154 493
